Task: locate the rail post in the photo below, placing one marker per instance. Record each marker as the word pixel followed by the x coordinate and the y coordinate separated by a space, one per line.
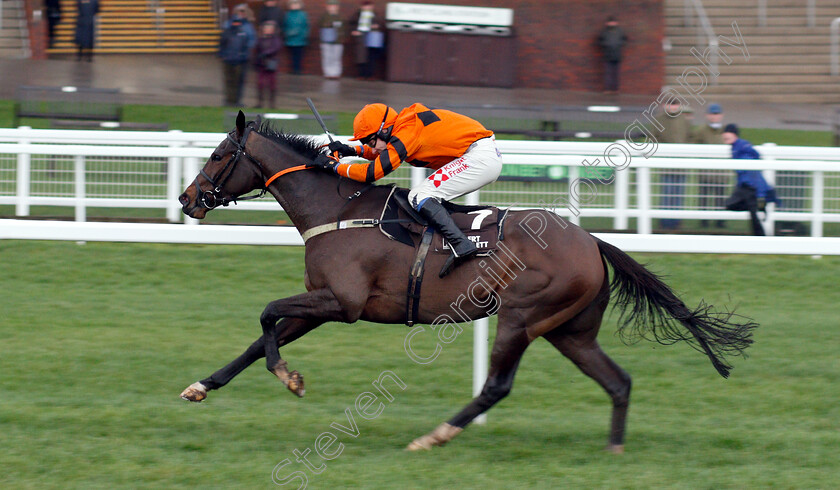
pixel 480 341
pixel 24 176
pixel 817 196
pixel 79 172
pixel 574 197
pixel 769 219
pixel 644 225
pixel 480 335
pixel 835 52
pixel 173 184
pixel 622 199
pixel 770 177
pixel 190 171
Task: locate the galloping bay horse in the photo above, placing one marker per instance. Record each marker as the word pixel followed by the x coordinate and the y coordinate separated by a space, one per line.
pixel 556 288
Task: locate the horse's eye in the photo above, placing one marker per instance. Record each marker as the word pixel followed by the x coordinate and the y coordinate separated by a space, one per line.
pixel 216 157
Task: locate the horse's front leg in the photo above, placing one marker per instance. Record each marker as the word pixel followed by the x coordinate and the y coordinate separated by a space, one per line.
pixel 317 307
pixel 289 329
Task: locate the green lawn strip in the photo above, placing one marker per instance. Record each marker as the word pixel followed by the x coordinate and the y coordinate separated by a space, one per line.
pixel 99 340
pixel 211 118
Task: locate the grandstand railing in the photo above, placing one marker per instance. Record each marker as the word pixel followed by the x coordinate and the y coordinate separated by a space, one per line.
pixel 705 32
pixel 150 169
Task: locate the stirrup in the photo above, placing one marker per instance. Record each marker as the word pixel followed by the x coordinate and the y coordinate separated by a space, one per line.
pixel 454 261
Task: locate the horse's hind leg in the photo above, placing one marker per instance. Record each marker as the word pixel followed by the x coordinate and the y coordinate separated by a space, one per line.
pixel 575 339
pixel 288 330
pixel 508 348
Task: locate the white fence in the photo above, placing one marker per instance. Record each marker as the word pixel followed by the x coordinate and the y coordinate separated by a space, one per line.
pixel 82 169
pixel 288 235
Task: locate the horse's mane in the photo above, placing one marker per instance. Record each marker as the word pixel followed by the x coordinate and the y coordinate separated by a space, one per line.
pixel 306 146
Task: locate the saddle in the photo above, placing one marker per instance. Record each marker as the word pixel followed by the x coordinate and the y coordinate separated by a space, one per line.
pixel 483 225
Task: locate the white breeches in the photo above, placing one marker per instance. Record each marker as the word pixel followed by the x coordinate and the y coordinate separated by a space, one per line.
pixel 480 165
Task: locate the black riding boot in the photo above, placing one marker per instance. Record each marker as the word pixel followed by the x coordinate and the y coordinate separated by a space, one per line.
pixel 460 245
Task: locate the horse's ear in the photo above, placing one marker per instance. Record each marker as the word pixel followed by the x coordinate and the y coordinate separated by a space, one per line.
pixel 258 120
pixel 240 123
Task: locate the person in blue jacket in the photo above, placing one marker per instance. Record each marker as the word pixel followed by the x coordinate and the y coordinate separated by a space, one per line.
pixel 296 34
pixel 752 192
pixel 235 44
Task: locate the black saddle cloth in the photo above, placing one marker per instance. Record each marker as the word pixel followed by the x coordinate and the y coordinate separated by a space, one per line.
pixel 481 224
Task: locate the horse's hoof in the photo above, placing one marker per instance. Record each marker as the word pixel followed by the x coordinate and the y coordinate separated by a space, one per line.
pixel 419 444
pixel 195 392
pixel 438 437
pixel 295 384
pixel 615 448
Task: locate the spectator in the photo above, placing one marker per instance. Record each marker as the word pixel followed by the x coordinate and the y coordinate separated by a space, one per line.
pixel 611 41
pixel 85 27
pixel 272 11
pixel 751 192
pixel 237 40
pixel 265 61
pixel 370 40
pixel 712 182
pixel 296 34
pixel 673 125
pixel 53 9
pixel 332 41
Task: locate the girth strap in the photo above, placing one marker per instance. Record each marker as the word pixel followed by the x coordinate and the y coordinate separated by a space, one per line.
pixel 338 225
pixel 415 277
pixel 348 223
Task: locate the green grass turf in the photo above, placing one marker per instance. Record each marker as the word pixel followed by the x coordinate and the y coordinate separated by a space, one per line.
pixel 99 339
pixel 210 119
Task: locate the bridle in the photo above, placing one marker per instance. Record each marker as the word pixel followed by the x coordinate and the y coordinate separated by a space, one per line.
pixel 213 198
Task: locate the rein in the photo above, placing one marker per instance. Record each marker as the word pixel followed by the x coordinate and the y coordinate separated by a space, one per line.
pixel 284 172
pixel 212 199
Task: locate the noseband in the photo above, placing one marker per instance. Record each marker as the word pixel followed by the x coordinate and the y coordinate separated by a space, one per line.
pixel 213 198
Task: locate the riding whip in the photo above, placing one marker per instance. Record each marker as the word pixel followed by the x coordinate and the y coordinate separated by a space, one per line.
pixel 318 117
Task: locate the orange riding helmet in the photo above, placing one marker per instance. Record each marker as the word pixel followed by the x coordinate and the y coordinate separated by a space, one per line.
pixel 372 119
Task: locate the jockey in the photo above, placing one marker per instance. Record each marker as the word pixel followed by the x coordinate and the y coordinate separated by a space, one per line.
pixel 460 150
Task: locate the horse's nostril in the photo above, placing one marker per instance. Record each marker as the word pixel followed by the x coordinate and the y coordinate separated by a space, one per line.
pixel 183 199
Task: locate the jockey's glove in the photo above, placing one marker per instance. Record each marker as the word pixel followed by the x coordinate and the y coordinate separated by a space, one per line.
pixel 323 161
pixel 342 149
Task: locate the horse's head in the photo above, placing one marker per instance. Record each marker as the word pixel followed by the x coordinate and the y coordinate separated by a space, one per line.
pixel 228 174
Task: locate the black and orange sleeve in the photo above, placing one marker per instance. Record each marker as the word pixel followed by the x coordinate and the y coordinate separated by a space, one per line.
pixel 380 166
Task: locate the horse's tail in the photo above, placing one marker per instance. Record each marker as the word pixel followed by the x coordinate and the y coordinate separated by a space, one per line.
pixel 650 310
